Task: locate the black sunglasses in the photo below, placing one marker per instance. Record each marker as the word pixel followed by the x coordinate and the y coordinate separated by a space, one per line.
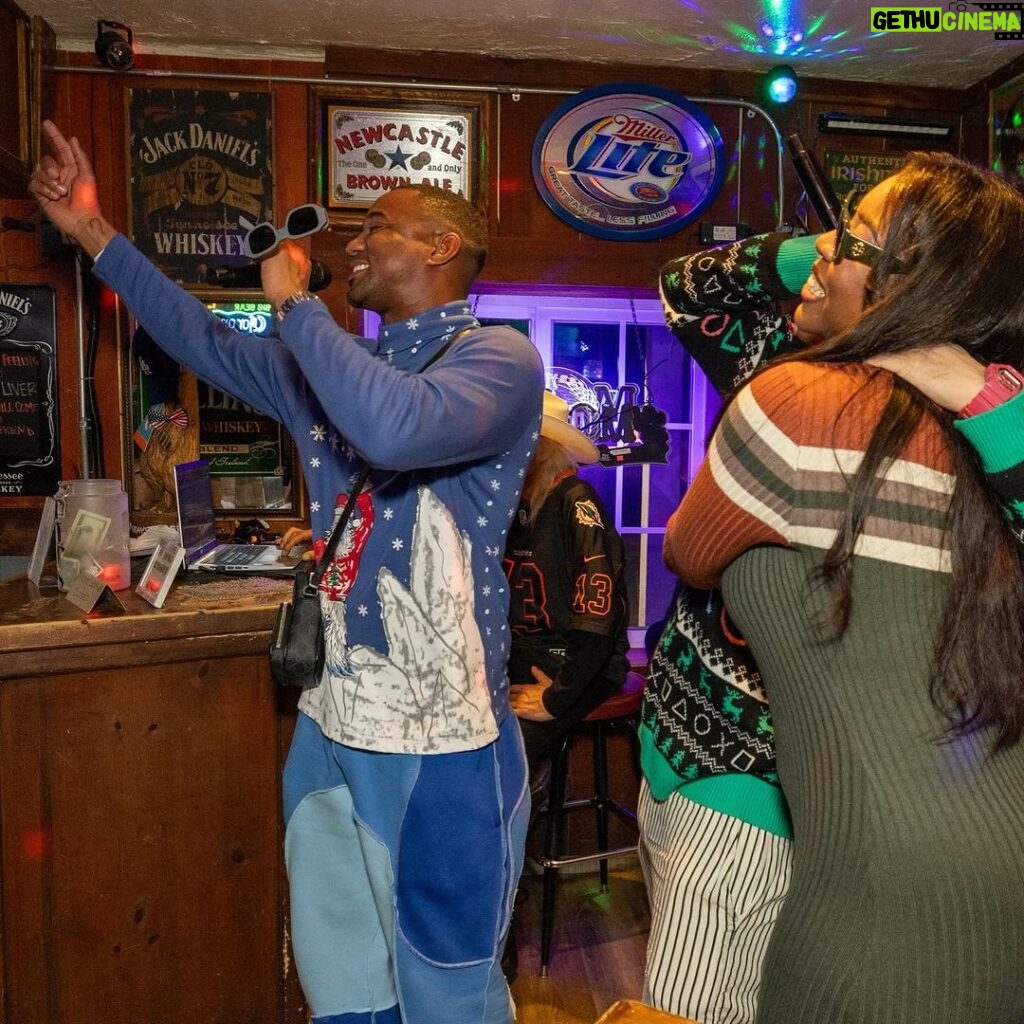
pixel 849 246
pixel 262 239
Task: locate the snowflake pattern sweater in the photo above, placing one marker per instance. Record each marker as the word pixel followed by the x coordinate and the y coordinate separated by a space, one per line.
pixel 416 605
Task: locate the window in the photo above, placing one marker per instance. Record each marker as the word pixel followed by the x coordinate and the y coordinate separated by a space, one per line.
pixel 621 342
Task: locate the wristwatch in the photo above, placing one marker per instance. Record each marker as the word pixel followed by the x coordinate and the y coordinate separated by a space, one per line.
pixel 292 301
pixel 1002 383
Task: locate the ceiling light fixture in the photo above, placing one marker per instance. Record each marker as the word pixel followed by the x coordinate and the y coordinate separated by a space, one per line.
pixel 780 84
pixel 850 124
pixel 114 45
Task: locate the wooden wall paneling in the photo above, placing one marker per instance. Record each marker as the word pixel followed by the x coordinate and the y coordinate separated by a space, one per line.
pixel 292 114
pixel 529 219
pixel 523 214
pixel 82 108
pixel 822 143
pixel 533 245
pixel 431 67
pixel 141 844
pixel 530 244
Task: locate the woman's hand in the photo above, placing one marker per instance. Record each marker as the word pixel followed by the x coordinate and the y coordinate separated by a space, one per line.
pixel 947 374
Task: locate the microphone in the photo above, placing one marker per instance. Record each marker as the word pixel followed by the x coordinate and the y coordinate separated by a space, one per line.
pixel 248 276
pixel 819 192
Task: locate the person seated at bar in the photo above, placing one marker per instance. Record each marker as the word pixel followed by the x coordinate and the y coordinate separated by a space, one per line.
pixel 568 609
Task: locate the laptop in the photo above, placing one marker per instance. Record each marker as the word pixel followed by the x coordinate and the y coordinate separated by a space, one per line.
pixel 199 535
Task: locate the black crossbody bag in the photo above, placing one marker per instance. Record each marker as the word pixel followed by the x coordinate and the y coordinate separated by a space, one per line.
pixel 297 639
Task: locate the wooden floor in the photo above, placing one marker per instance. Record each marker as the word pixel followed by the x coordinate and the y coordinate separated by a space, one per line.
pixel 597 952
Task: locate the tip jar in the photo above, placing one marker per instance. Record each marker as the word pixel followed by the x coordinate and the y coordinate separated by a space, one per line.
pixel 92 532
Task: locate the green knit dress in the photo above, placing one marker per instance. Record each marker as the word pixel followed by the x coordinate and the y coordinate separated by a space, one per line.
pixel 906 904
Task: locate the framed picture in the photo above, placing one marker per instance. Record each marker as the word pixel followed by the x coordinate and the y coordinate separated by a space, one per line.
pixel 29 396
pixel 197 160
pixel 368 143
pixel 1006 116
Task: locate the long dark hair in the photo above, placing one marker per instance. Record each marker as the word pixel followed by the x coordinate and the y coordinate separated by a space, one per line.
pixel 956 233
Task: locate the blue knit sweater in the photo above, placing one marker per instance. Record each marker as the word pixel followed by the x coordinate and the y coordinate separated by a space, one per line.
pixel 416 603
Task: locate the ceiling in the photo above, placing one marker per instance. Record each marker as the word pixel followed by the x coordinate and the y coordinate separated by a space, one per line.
pixel 820 38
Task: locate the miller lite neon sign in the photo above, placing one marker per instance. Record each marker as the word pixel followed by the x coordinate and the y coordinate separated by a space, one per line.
pixel 624 430
pixel 628 162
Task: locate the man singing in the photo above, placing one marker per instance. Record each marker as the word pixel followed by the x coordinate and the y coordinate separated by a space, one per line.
pixel 405 787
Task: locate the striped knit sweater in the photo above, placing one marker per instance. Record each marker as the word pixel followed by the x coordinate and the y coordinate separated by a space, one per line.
pixel 907 896
pixel 778 468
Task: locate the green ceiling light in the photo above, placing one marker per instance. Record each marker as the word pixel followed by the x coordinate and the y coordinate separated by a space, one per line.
pixel 779 85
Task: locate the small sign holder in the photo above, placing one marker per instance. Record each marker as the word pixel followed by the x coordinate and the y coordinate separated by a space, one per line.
pixel 160 571
pixel 90 593
pixel 44 541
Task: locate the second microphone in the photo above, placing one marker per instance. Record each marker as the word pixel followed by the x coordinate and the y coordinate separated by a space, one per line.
pixel 248 276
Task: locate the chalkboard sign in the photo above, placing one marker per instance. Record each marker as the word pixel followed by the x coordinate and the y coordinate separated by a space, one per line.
pixel 29 457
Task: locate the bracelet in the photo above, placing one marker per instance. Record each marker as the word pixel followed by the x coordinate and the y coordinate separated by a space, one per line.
pixel 292 301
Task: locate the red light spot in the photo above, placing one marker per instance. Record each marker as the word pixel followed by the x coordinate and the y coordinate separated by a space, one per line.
pixel 153 585
pixel 34 844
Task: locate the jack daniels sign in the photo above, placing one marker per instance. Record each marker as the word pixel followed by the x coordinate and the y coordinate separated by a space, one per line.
pixel 29 454
pixel 198 161
pixel 624 429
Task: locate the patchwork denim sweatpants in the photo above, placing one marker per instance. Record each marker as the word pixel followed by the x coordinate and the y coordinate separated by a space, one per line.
pixel 402 869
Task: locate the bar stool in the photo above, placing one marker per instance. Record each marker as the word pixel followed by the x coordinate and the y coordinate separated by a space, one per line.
pixel 621 708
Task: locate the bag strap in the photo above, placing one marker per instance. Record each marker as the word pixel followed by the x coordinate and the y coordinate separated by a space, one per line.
pixel 357 485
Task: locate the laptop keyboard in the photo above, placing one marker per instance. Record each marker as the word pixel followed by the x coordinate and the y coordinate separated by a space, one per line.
pixel 239 554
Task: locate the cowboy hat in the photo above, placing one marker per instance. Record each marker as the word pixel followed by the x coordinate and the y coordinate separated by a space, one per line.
pixel 554 425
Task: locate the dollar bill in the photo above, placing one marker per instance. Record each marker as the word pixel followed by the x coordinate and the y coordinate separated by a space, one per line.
pixel 69 569
pixel 86 533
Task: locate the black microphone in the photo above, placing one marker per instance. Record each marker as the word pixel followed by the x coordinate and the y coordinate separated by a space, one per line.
pixel 819 192
pixel 248 276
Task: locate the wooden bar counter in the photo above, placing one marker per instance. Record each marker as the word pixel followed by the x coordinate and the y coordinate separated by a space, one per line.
pixel 140 809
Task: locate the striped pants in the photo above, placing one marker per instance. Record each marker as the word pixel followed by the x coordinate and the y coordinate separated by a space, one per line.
pixel 715 885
